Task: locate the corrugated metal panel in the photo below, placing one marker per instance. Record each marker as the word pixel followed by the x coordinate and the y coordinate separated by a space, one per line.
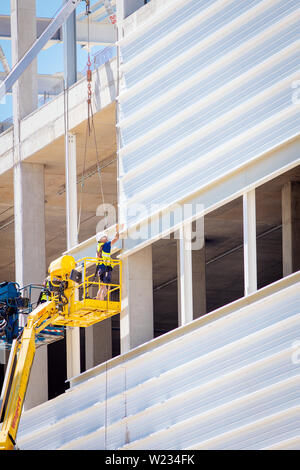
pixel 288 444
pixel 205 90
pixel 227 380
pixel 260 434
pixel 227 187
pixel 181 15
pixel 259 406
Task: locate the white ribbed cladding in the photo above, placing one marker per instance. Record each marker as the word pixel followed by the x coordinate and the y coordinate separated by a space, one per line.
pixel 228 24
pixel 260 434
pixel 237 119
pixel 232 372
pixel 184 11
pixel 233 92
pixel 218 164
pixel 198 93
pixel 243 365
pixel 282 397
pixel 199 56
pixel 285 444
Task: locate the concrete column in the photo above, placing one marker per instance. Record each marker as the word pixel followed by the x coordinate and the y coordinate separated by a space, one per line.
pixel 185 275
pixel 136 319
pixel 29 195
pixel 28 178
pixel 250 259
pixel 30 258
pixel 120 11
pixel 73 351
pixel 37 391
pixel 23 35
pixel 291 227
pixel 199 282
pixel 193 253
pixel 98 343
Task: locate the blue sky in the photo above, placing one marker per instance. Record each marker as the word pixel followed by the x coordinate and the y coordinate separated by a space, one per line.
pixel 50 60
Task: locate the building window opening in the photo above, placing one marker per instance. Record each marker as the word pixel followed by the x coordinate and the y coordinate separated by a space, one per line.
pixel 165 299
pixel 224 255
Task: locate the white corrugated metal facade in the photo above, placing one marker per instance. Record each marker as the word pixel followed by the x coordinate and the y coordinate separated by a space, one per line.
pixel 206 88
pixel 205 93
pixel 227 380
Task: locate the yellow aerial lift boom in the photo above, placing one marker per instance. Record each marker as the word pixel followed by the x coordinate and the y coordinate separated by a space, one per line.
pixel 71 305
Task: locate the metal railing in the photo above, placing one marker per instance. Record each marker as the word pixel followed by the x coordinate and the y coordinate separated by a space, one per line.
pixel 101 57
pixel 32 292
pixel 97 59
pixel 6 124
pixel 89 281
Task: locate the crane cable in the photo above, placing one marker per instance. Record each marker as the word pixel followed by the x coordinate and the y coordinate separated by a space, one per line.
pixel 89 129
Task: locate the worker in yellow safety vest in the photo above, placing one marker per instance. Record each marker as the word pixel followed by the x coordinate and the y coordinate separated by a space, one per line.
pixel 104 267
pixel 45 294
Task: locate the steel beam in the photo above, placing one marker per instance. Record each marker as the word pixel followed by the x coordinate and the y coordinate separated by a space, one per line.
pixel 73 334
pixel 100 33
pixel 70 54
pixel 4 61
pixel 42 23
pixel 71 191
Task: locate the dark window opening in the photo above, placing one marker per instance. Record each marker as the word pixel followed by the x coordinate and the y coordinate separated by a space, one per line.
pixel 57 368
pixel 224 254
pixel 165 298
pixel 278 227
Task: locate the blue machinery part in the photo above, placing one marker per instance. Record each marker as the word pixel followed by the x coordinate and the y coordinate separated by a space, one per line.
pixel 14 302
pixel 10 303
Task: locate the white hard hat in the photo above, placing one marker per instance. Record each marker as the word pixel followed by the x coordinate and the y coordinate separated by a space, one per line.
pixel 100 235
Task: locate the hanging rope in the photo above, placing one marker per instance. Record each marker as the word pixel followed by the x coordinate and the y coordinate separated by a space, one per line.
pixel 98 161
pixel 82 182
pixel 89 129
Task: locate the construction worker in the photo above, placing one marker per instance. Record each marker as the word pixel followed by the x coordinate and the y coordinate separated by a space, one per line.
pixel 104 268
pixel 45 293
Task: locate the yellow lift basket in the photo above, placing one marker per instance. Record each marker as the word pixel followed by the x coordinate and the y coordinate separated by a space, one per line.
pixel 83 309
pixel 71 303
